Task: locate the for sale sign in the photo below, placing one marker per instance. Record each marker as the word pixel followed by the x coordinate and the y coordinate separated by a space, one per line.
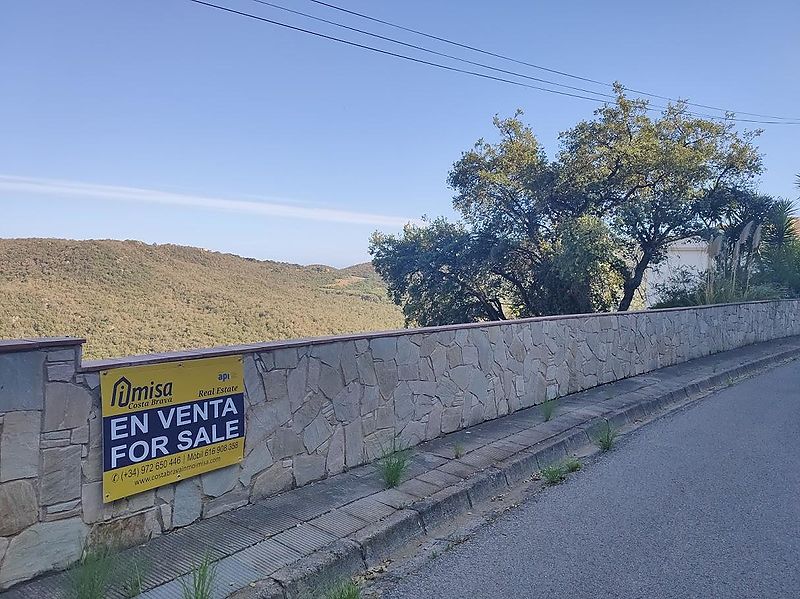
pixel 167 422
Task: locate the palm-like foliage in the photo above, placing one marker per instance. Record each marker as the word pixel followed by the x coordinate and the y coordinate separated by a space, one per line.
pixel 780 223
pixel 750 266
pixel 780 259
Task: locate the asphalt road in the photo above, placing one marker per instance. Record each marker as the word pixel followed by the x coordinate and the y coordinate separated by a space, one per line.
pixel 702 503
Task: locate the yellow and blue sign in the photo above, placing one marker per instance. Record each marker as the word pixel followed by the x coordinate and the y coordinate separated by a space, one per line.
pixel 167 422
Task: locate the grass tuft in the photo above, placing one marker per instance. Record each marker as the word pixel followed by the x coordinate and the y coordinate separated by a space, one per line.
pixel 458 450
pixel 133 581
pixel 557 473
pixel 548 409
pixel 553 474
pixel 393 466
pixel 606 437
pixel 344 590
pixel 201 583
pixel 92 576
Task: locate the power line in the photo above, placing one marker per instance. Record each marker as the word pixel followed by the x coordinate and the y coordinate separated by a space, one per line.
pixel 650 107
pixel 388 52
pixel 443 66
pixel 435 52
pixel 540 67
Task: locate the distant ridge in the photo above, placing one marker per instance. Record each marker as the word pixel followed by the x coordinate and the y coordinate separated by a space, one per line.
pixel 129 297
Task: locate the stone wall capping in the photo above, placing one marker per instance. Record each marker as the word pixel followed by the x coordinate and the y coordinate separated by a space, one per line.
pixel 16 345
pixel 246 348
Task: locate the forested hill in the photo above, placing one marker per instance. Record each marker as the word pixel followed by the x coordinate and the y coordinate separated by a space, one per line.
pixel 128 297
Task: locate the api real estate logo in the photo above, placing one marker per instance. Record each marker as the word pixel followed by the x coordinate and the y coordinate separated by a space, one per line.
pixel 167 422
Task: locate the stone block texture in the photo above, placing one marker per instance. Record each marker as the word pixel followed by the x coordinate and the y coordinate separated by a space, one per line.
pixel 316 409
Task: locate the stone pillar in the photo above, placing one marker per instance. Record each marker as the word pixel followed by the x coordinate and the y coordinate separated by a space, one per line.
pixel 43 435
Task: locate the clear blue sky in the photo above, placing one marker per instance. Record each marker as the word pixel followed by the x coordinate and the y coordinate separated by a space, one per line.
pixel 166 121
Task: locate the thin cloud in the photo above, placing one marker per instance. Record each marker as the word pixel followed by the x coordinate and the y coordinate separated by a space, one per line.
pixel 75 189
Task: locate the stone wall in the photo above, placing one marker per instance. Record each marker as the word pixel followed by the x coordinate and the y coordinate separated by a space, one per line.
pixel 45 457
pixel 315 408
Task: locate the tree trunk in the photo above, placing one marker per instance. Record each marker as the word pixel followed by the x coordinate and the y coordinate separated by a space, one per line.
pixel 632 284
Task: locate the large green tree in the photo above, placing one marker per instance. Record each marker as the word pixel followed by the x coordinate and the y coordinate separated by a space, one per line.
pixel 439 273
pixel 524 246
pixel 575 234
pixel 656 180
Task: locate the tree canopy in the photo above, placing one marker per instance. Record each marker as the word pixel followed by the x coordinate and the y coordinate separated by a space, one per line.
pixel 573 234
pixel 656 180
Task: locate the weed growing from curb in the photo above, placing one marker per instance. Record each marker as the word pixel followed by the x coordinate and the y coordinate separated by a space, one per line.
pixel 133 584
pixel 393 465
pixel 458 450
pixel 557 473
pixel 91 577
pixel 553 474
pixel 607 437
pixel 344 590
pixel 548 409
pixel 201 583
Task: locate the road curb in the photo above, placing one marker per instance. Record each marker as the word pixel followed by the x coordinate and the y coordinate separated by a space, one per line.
pixel 369 547
pixel 441 507
pixel 321 570
pixel 382 539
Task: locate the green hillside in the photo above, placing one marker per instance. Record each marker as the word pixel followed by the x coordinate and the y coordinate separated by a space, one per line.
pixel 128 297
